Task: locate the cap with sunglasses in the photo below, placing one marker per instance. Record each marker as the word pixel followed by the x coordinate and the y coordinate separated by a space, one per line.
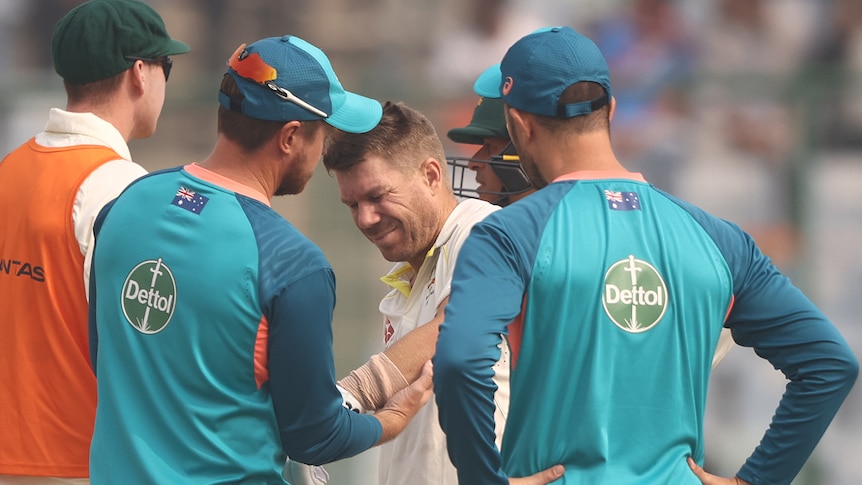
pixel 286 79
pixel 102 38
pixel 166 62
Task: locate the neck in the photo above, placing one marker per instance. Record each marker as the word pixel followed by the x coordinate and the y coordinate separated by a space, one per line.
pixel 590 151
pixel 229 160
pixel 118 114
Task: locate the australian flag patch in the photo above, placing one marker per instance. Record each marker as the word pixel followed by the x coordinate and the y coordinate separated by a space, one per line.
pixel 623 201
pixel 190 201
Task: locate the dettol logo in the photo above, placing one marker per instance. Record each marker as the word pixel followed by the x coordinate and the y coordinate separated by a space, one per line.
pixel 149 296
pixel 635 296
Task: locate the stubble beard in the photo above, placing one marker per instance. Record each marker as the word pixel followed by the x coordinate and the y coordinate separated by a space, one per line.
pixel 292 184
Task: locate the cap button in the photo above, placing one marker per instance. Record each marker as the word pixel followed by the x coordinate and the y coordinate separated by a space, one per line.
pixel 286 38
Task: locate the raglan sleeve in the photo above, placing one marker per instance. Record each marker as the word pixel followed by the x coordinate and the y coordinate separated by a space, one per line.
pixel 315 428
pixel 783 326
pixel 92 327
pixel 487 291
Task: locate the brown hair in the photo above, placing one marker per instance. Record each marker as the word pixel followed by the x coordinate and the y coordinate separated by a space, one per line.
pixel 97 92
pixel 403 137
pixel 250 133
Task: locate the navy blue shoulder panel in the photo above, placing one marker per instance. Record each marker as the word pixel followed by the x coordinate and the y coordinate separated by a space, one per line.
pixel 737 247
pixel 286 255
pixel 524 222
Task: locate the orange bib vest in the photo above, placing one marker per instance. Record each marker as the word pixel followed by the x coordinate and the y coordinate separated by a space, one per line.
pixel 47 387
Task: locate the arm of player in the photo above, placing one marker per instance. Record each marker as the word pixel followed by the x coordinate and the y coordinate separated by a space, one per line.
pixel 390 371
pixel 397 412
pixel 313 425
pixel 411 352
pixel 394 417
pixel 487 291
pixel 772 316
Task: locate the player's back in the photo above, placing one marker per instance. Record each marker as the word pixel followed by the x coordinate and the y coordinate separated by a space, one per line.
pixel 624 306
pixel 182 333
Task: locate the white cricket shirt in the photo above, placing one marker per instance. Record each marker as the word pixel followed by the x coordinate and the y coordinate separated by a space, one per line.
pixel 418 455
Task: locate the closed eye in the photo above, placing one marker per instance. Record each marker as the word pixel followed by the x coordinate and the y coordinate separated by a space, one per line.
pixel 374 199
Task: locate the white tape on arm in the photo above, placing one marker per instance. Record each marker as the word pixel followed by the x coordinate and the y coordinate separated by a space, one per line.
pixel 297 473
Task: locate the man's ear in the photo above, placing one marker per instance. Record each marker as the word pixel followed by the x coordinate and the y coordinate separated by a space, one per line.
pixel 613 108
pixel 433 172
pixel 518 120
pixel 288 137
pixel 136 77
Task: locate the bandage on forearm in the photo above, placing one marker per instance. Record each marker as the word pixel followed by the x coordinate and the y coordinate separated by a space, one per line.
pixel 374 382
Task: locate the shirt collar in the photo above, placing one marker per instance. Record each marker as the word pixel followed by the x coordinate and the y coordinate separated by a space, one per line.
pixel 401 275
pixel 600 174
pixel 67 123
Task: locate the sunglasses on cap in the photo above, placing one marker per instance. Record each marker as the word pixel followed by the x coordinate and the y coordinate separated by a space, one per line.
pixel 253 67
pixel 166 62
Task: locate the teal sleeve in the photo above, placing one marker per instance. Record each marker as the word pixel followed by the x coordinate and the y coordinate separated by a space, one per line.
pixel 315 428
pixel 488 288
pixel 783 326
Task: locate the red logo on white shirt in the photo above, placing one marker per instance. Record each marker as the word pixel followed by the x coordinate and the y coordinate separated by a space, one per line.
pixel 388 331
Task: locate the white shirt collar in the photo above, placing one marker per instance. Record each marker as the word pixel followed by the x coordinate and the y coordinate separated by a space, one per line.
pixel 66 128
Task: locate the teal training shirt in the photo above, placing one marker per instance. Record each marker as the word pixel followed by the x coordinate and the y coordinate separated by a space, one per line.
pixel 620 293
pixel 210 329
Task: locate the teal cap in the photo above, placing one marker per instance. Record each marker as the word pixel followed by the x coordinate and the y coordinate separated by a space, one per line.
pixel 488 83
pixel 287 78
pixel 540 66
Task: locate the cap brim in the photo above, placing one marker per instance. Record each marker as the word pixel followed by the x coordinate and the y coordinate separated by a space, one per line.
pixel 175 47
pixel 471 135
pixel 358 114
pixel 488 83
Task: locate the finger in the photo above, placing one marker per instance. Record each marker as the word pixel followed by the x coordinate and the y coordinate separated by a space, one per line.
pixel 426 378
pixel 545 476
pixel 698 471
pixel 425 384
pixel 427 371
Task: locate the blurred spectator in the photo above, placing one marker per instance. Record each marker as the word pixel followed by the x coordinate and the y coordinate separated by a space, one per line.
pixel 488 29
pixel 752 52
pixel 648 45
pixel 463 50
pixel 747 167
pixel 835 57
pixel 41 17
pixel 839 38
pixel 228 23
pixel 10 11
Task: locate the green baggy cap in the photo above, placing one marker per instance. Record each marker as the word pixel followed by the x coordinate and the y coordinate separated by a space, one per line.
pixel 95 39
pixel 488 122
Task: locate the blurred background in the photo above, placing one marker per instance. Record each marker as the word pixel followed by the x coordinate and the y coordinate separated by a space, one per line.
pixel 751 109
